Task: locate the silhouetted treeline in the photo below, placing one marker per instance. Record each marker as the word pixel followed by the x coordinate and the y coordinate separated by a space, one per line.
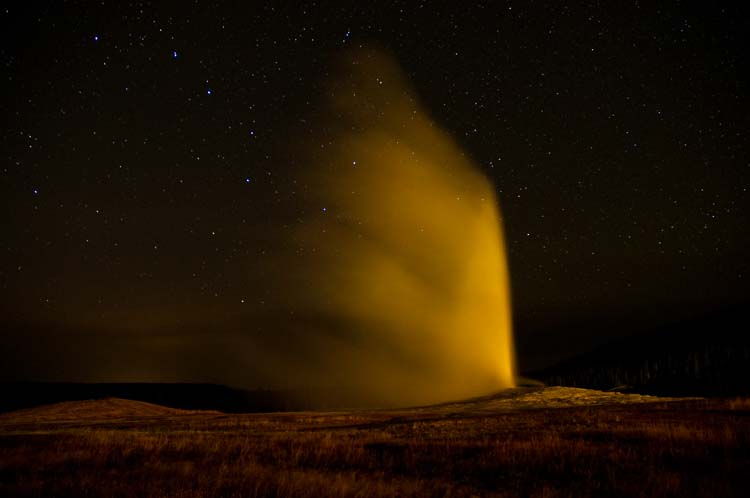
pixel 709 356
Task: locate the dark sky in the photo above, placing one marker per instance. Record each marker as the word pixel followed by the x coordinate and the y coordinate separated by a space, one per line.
pixel 143 157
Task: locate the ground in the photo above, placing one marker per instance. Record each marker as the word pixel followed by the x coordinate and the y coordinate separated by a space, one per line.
pixel 541 442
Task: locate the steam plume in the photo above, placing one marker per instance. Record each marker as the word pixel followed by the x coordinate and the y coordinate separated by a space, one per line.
pixel 377 271
pixel 400 257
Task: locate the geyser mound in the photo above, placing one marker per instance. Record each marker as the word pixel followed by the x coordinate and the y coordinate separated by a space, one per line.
pixel 397 273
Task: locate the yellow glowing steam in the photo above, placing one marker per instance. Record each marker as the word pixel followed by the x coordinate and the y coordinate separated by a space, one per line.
pixel 404 254
pixel 377 277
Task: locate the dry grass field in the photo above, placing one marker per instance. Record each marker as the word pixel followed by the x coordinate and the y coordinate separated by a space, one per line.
pixel 541 442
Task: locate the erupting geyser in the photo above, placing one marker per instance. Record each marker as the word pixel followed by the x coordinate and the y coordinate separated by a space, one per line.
pixel 400 258
pixel 376 272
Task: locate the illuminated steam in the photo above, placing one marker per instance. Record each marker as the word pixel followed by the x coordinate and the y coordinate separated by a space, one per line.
pixel 399 274
pixel 369 264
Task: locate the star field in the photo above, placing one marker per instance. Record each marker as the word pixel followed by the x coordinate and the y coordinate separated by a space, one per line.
pixel 142 152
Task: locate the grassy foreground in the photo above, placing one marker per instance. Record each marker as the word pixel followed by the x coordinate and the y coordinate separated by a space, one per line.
pixel 121 448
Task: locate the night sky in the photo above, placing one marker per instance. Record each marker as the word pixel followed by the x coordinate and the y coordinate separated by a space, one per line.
pixel 147 150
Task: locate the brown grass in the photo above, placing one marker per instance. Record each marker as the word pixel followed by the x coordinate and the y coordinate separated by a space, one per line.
pixel 694 448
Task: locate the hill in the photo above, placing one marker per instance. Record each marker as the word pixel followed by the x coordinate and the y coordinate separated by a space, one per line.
pixel 94 410
pixel 187 396
pixel 506 400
